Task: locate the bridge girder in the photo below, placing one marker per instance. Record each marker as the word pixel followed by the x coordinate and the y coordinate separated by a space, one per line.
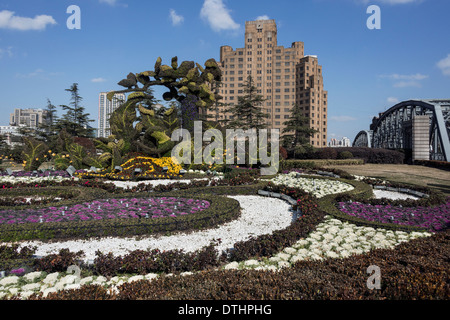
pixel 392 130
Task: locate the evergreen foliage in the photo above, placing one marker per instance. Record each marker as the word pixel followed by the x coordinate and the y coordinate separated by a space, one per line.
pixel 247 113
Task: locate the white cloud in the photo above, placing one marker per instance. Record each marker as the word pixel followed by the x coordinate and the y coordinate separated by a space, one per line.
pixel 9 21
pixel 392 100
pixel 98 80
pixel 176 19
pixel 113 3
pixel 342 118
pixel 407 84
pixel 444 65
pixel 110 2
pixel 411 77
pixel 35 73
pixel 6 52
pixel 218 16
pixel 406 80
pixel 264 17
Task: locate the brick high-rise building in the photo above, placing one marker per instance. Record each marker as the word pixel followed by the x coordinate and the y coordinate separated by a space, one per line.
pixel 283 76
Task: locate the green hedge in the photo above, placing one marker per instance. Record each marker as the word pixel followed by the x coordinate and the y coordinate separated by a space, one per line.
pixel 222 209
pixel 317 163
pixel 443 165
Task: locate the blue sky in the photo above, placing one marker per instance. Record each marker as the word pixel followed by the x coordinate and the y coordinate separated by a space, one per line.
pixel 365 71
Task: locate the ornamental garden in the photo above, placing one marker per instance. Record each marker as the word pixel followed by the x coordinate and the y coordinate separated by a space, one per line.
pixel 130 222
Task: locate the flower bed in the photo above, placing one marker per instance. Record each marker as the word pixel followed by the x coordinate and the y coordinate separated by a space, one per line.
pixel 151 168
pixel 349 243
pixel 435 218
pixel 34 179
pixel 85 220
pixel 107 209
pixel 40 174
pixel 315 186
pixel 331 238
pixel 407 272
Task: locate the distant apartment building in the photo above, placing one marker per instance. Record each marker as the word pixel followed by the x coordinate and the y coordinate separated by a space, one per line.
pixel 283 76
pixel 105 109
pixel 344 142
pixel 31 118
pixel 11 134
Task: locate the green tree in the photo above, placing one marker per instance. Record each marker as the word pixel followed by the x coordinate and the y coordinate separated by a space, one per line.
pixel 47 130
pixel 297 132
pixel 75 120
pixel 247 113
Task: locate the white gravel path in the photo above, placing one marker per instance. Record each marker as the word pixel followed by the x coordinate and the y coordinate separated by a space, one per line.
pixel 260 215
pixel 392 195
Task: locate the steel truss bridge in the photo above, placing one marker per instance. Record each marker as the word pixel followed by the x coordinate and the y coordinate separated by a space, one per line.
pixel 393 128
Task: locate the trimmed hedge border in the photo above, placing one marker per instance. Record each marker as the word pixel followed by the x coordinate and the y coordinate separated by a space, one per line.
pixel 316 163
pixel 222 209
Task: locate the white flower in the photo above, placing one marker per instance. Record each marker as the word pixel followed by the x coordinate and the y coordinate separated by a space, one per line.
pixel 59 286
pixel 51 278
pixel 331 254
pixel 290 251
pixel 232 265
pixel 72 286
pixel 100 279
pixel 275 259
pixel 296 258
pixel 9 280
pixel 136 278
pixel 13 290
pixel 25 294
pixel 86 280
pixel 151 276
pixel 32 275
pixel 68 279
pixel 251 263
pixel 283 264
pixel 283 256
pixel 301 243
pixel 47 291
pixel 31 286
pixel 317 187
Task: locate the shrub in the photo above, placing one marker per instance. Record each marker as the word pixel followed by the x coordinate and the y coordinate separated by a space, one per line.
pixel 369 155
pixel 12 257
pixel 58 262
pixel 345 155
pixel 443 165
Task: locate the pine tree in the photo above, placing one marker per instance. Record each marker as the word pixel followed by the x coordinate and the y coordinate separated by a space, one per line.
pixel 47 128
pixel 247 113
pixel 297 132
pixel 75 120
